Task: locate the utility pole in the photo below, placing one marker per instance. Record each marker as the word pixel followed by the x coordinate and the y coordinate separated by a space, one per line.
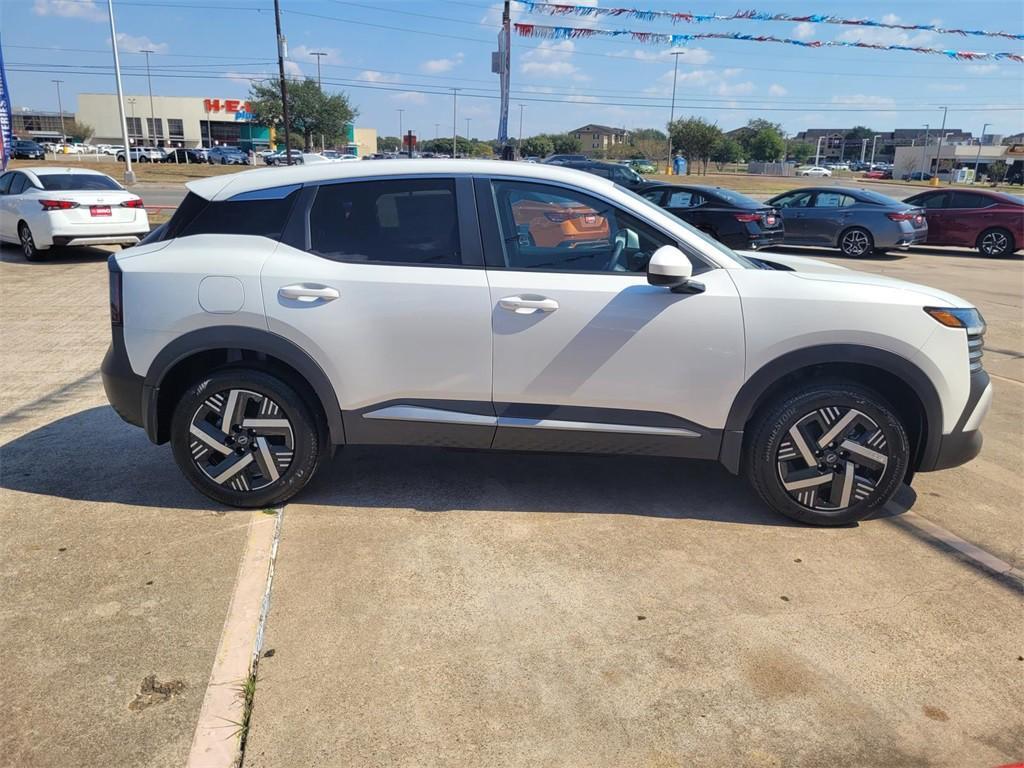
pixel 874 141
pixel 152 112
pixel 938 150
pixel 319 85
pixel 501 66
pixel 977 158
pixel 519 141
pixel 129 174
pixel 924 151
pixel 672 112
pixel 282 53
pixel 60 111
pixel 401 136
pixel 455 122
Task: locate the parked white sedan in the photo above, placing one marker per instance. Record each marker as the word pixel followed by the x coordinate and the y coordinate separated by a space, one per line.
pixel 45 207
pixel 815 170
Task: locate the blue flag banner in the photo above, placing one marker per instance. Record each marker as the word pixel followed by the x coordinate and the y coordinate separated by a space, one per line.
pixel 6 127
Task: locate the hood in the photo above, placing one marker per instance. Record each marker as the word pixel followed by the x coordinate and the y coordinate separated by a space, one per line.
pixel 816 269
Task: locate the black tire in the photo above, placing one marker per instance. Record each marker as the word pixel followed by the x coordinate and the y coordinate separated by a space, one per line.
pixel 856 242
pixel 28 243
pixel 774 457
pixel 996 242
pixel 143 159
pixel 264 397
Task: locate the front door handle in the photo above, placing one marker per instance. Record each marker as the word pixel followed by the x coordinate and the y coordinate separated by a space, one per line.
pixel 528 304
pixel 308 292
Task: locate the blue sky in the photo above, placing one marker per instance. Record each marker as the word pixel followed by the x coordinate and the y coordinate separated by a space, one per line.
pixel 391 54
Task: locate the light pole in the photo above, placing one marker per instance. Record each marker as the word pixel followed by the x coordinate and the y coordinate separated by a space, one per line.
pixel 131 103
pixel 977 158
pixel 401 138
pixel 874 141
pixel 672 111
pixel 519 141
pixel 938 151
pixel 319 85
pixel 924 150
pixel 455 121
pixel 863 149
pixel 467 128
pixel 817 151
pixel 129 174
pixel 60 111
pixel 152 112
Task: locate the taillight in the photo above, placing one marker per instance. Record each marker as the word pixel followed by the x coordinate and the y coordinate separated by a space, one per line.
pixel 116 278
pixel 559 216
pixel 58 205
pixel 747 217
pixel 136 203
pixel 900 216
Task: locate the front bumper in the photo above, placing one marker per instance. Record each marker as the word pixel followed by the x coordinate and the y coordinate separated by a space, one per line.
pixel 964 442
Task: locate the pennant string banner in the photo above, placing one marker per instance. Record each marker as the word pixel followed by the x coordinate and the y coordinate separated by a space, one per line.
pixel 660 38
pixel 559 9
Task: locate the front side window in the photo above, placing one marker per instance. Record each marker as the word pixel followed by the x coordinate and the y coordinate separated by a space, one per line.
pixel 5 183
pixel 557 229
pixel 793 200
pixel 684 198
pixel 19 183
pixel 397 221
pixel 930 202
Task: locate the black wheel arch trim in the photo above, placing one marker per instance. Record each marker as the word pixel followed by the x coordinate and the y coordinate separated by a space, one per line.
pixel 239 338
pixel 749 396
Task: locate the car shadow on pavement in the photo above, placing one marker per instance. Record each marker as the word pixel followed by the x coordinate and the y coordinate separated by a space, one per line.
pixel 10 254
pixel 443 480
pixel 94 456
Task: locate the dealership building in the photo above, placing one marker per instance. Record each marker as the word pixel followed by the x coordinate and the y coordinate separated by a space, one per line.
pixel 189 121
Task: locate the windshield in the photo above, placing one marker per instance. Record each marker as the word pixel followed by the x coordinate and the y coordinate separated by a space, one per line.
pixel 871 196
pixel 725 250
pixel 67 182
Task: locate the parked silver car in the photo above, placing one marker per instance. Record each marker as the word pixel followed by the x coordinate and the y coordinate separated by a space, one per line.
pixel 856 221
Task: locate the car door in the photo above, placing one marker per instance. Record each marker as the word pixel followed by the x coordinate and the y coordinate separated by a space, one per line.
pixel 965 217
pixel 934 205
pixel 830 213
pixel 383 285
pixel 13 203
pixel 587 355
pixel 795 210
pixel 683 203
pixel 6 214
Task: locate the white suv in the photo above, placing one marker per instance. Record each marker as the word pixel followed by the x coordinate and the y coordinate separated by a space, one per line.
pixel 481 304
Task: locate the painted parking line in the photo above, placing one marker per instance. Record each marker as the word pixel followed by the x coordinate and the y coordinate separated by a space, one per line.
pixel 971 551
pixel 215 743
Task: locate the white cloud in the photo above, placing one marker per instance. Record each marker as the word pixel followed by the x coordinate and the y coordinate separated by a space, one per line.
pixel 734 89
pixel 292 69
pixel 70 9
pixel 305 53
pixel 691 56
pixel 882 36
pixel 947 87
pixel 551 59
pixel 803 31
pixel 131 44
pixel 983 69
pixel 374 76
pixel 410 97
pixel 237 77
pixel 436 66
pixel 777 90
pixel 863 100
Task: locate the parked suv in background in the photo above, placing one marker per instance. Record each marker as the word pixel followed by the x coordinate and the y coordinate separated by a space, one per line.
pixel 620 174
pixel 278 314
pixel 142 155
pixel 23 149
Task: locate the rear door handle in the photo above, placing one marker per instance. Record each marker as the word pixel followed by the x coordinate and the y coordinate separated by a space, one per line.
pixel 308 292
pixel 528 304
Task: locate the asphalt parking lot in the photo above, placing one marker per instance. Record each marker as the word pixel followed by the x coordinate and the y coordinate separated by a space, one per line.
pixel 436 607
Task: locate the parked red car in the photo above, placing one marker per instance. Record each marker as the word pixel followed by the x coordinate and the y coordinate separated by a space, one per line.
pixel 878 173
pixel 992 222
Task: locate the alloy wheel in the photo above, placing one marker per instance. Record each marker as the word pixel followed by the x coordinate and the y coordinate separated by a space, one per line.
pixel 994 243
pixel 241 440
pixel 832 458
pixel 856 243
pixel 28 245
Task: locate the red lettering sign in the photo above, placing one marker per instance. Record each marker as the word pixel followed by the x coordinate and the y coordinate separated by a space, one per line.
pixel 231 105
pixel 228 105
pixel 211 105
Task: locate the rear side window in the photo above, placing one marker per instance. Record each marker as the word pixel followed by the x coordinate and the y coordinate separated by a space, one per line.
pixel 833 200
pixel 248 216
pixel 398 221
pixel 67 182
pixel 967 200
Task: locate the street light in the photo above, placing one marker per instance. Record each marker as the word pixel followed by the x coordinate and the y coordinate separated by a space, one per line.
pixel 60 109
pixel 874 141
pixel 938 150
pixel 672 111
pixel 817 151
pixel 924 150
pixel 401 138
pixel 519 141
pixel 467 128
pixel 152 112
pixel 129 174
pixel 977 158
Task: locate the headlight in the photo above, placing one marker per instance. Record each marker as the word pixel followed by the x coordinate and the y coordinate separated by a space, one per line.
pixel 968 319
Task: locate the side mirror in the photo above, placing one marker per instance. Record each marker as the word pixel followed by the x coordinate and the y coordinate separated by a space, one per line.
pixel 670 268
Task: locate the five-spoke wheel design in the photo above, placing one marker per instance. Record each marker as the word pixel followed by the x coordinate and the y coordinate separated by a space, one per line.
pixel 995 242
pixel 832 458
pixel 241 439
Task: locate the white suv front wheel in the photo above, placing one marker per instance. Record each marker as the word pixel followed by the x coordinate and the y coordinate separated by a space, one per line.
pixel 828 454
pixel 245 438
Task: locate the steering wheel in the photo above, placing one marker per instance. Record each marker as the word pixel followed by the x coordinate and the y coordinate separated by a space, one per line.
pixel 620 245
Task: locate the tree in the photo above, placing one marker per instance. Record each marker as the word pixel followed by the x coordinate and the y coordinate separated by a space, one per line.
pixel 727 150
pixel 799 151
pixel 996 171
pixel 537 146
pixel 393 144
pixel 647 134
pixel 859 132
pixel 695 138
pixel 767 144
pixel 78 131
pixel 311 111
pixel 564 144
